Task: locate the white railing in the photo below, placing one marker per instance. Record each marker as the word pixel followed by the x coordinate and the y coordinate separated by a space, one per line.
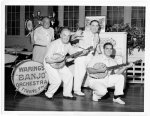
pixel 136 74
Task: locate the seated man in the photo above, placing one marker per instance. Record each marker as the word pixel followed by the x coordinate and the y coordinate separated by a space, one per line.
pixel 100 80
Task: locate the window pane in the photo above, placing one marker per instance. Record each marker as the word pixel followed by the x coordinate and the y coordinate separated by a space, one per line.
pixel 76 8
pixel 87 7
pixel 115 8
pixel 87 13
pixel 70 8
pixel 70 16
pixel 65 8
pixel 98 7
pixel 13 20
pixel 138 17
pixel 115 15
pixel 13 31
pixel 13 9
pixel 9 9
pixel 65 22
pixel 109 8
pixel 13 16
pixel 92 10
pixel 76 15
pixel 17 31
pixel 18 24
pixel 13 24
pixel 9 31
pixel 98 13
pixel 92 7
pixel 9 24
pixel 18 9
pixel 8 16
pixel 65 15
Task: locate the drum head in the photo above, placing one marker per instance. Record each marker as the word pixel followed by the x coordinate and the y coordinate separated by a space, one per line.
pixel 29 77
pixel 29 25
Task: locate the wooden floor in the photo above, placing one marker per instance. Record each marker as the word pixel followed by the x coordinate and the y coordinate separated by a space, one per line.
pixel 14 101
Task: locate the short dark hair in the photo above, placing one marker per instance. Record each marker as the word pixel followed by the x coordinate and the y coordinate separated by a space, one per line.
pixel 97 22
pixel 94 21
pixel 108 43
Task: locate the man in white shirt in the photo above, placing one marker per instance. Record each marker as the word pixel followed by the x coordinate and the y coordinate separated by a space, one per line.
pixel 100 83
pixel 56 53
pixel 41 37
pixel 90 38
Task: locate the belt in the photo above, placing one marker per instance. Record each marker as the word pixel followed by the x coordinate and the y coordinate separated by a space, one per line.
pixel 95 78
pixel 39 45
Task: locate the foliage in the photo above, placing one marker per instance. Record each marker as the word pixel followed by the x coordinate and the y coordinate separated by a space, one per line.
pixel 135 36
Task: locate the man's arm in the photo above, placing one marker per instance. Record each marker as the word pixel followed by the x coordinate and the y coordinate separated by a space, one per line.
pixel 121 70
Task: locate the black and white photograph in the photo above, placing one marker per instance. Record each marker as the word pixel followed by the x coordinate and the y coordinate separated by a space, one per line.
pixel 75 57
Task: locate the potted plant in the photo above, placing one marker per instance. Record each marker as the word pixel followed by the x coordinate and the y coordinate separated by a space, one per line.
pixel 135 36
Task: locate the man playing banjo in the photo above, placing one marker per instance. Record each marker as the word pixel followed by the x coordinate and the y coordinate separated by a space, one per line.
pixel 100 79
pixel 55 66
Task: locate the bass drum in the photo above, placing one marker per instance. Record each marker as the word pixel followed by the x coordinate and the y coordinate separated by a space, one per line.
pixel 29 77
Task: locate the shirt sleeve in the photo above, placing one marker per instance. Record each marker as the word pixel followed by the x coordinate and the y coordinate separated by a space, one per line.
pixel 71 49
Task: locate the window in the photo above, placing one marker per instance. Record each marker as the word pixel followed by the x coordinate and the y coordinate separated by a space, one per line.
pixel 138 17
pixel 115 15
pixel 92 10
pixel 71 17
pixel 13 20
pixel 28 14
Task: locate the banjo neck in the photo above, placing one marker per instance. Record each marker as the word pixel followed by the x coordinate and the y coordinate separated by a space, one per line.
pixel 120 65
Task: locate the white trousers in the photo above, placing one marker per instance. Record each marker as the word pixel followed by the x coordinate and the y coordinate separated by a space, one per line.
pixel 80 70
pixel 100 86
pixel 56 76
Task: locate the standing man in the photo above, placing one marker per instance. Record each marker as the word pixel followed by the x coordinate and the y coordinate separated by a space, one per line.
pixel 101 82
pixel 90 38
pixel 56 53
pixel 40 38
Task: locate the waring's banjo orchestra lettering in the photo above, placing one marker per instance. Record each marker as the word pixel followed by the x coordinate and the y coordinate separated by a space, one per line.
pixel 30 78
pixel 31 68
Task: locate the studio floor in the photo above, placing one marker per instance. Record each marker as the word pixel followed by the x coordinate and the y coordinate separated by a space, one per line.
pixel 14 101
pixel 134 99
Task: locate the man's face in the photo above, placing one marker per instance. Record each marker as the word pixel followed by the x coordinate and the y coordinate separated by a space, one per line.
pixel 94 27
pixel 108 50
pixel 65 36
pixel 46 23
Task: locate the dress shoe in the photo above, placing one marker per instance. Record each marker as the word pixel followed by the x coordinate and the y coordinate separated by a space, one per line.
pixel 119 101
pixel 70 98
pixel 95 97
pixel 49 96
pixel 79 93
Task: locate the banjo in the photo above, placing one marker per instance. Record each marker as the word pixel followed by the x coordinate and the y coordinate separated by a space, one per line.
pixel 104 74
pixel 61 64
